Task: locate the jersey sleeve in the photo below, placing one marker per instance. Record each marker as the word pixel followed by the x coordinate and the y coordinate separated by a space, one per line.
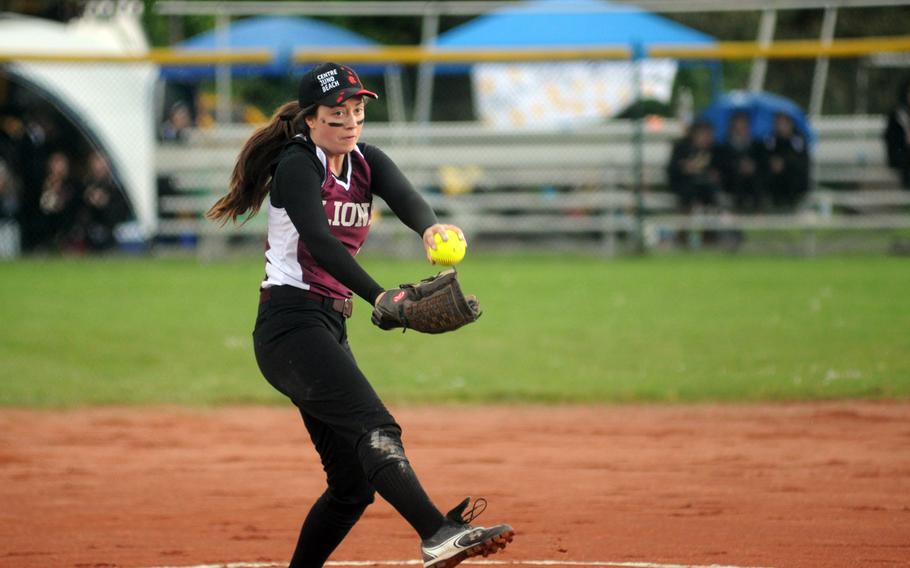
pixel 296 187
pixel 389 183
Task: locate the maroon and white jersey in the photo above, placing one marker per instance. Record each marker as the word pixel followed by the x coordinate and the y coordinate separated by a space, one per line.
pixel 347 203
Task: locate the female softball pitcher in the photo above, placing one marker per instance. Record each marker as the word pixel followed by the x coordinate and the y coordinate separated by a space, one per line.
pixel 320 182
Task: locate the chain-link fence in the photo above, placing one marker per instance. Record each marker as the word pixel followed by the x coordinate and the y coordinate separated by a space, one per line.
pixel 550 149
pixel 575 185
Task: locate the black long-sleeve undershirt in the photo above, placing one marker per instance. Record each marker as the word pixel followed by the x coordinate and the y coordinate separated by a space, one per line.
pixel 297 188
pixel 394 188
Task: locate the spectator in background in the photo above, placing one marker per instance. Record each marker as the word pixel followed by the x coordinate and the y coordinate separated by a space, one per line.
pixel 692 171
pixel 26 149
pixel 10 233
pixel 58 205
pixel 9 195
pixel 8 151
pixel 102 207
pixel 897 135
pixel 179 118
pixel 739 160
pixel 787 163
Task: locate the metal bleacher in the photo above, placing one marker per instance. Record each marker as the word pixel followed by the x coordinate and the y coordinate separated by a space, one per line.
pixel 533 184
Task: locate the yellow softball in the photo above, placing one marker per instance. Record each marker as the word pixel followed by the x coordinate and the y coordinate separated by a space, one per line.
pixel 448 252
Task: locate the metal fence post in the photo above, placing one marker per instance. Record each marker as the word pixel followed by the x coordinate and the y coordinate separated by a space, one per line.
pixel 639 144
pixel 223 70
pixel 766 27
pixel 424 95
pixel 820 77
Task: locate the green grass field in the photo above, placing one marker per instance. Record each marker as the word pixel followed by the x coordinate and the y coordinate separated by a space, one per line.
pixel 555 329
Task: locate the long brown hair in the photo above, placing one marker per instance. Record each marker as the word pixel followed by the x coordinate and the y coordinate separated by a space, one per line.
pixel 251 179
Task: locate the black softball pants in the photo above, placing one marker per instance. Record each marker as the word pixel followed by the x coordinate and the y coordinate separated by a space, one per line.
pixel 302 350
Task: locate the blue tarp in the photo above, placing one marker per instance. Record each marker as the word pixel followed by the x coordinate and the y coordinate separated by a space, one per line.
pixel 550 23
pixel 279 35
pixel 761 108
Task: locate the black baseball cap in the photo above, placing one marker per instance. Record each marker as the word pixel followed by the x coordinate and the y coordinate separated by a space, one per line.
pixel 330 84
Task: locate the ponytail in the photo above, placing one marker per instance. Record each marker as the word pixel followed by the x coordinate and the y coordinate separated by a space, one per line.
pixel 251 179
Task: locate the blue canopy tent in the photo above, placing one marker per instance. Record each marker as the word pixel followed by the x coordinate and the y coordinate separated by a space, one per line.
pixel 557 23
pixel 279 35
pixel 569 24
pixel 761 108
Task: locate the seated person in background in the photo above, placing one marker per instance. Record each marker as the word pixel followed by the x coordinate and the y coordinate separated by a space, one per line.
pixel 9 195
pixel 739 160
pixel 103 206
pixel 58 205
pixel 787 164
pixel 179 119
pixel 692 170
pixel 897 135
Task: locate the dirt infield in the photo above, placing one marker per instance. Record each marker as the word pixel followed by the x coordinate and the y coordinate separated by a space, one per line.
pixel 797 485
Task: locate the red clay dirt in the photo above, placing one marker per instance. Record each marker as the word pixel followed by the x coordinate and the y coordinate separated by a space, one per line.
pixel 789 485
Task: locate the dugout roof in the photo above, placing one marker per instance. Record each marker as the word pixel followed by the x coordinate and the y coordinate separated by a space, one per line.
pixel 111 103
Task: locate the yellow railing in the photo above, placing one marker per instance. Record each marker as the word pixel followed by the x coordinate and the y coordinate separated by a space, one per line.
pixel 722 50
pixel 799 49
pixel 158 56
pixel 793 49
pixel 417 54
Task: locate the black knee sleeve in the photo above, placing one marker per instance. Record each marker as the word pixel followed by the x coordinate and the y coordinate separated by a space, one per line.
pixel 354 497
pixel 379 448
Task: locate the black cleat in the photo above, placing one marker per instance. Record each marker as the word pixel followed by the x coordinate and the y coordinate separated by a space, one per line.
pixel 456 540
